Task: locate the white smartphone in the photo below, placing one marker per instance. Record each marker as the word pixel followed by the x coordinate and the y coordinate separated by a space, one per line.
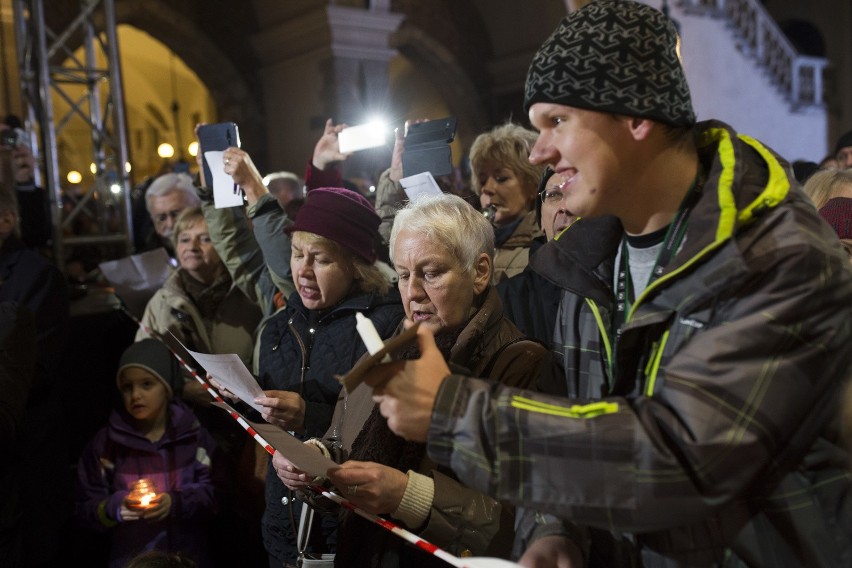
pixel 361 137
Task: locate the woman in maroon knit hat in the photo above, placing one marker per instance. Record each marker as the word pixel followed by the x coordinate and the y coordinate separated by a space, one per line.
pixel 305 344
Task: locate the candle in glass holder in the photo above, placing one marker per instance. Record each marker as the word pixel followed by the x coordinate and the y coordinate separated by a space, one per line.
pixel 142 494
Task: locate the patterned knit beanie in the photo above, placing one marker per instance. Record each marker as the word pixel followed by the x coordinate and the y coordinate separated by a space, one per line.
pixel 614 56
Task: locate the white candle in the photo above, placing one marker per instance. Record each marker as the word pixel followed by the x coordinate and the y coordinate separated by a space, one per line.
pixel 368 334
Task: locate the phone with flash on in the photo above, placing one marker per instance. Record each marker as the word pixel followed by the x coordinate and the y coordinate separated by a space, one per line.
pixel 362 137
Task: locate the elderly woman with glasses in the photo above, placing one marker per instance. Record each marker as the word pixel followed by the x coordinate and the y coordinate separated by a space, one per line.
pixel 531 301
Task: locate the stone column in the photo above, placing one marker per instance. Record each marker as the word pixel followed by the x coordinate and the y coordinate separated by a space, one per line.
pixel 359 73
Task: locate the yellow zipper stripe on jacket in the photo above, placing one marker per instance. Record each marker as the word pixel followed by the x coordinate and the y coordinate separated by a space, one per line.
pixel 573 411
pixel 602 328
pixel 654 363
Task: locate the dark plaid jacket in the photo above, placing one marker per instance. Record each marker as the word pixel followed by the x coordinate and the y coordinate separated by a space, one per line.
pixel 703 434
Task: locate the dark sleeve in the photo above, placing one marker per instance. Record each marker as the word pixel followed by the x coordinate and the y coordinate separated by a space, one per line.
pixel 36 225
pixel 17 362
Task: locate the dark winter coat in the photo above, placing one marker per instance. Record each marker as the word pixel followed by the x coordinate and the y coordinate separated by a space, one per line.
pixel 302 351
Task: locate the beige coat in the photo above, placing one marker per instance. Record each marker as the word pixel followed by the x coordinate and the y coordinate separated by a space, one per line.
pixel 231 331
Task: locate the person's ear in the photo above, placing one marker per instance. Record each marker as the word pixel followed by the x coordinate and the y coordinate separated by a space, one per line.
pixel 482 276
pixel 640 128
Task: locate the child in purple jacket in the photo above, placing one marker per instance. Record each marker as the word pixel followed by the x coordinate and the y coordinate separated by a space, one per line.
pixel 156 437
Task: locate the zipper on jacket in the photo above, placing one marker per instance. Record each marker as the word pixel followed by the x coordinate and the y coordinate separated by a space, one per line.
pixel 653 366
pixel 304 349
pixel 603 331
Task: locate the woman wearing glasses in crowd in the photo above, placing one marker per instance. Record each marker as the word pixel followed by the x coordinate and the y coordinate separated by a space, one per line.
pixel 529 300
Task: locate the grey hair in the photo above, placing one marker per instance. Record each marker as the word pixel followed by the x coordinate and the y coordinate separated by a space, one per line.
pixel 169 183
pixel 451 221
pixel 290 176
pixel 295 182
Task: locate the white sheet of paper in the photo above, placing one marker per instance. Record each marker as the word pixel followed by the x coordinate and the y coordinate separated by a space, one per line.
pixel 223 184
pixel 420 185
pixel 136 277
pixel 230 371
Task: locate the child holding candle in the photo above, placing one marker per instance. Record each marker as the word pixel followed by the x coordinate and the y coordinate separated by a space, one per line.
pixel 156 439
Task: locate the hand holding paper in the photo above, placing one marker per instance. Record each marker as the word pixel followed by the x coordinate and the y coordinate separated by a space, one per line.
pixel 223 185
pixel 285 409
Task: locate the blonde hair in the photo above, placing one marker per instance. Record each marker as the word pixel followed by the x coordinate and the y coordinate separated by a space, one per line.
pixel 189 217
pixel 507 145
pixel 368 276
pixel 826 184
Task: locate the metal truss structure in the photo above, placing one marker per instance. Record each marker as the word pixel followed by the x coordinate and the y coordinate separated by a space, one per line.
pixel 98 216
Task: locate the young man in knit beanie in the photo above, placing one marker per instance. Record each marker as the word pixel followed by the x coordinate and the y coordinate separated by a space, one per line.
pixel 704 332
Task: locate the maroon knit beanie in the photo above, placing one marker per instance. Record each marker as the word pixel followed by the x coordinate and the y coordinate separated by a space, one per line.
pixel 344 216
pixel 838 212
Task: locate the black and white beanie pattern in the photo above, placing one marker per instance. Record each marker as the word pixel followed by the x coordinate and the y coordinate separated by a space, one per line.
pixel 614 56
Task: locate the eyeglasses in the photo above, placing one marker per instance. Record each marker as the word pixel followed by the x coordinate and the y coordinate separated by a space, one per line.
pixel 551 195
pixel 161 218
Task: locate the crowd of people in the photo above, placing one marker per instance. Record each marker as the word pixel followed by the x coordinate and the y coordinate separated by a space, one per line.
pixel 630 347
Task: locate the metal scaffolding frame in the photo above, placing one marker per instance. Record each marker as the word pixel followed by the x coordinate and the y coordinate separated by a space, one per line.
pixel 48 66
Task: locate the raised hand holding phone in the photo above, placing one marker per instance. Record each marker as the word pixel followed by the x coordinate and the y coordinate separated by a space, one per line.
pixel 213 140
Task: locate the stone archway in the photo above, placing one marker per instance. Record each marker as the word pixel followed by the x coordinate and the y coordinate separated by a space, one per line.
pixel 228 84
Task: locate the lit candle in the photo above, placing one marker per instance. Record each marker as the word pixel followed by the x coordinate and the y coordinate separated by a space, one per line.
pixel 369 335
pixel 142 493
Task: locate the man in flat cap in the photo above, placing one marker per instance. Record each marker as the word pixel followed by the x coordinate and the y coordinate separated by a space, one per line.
pixel 703 329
